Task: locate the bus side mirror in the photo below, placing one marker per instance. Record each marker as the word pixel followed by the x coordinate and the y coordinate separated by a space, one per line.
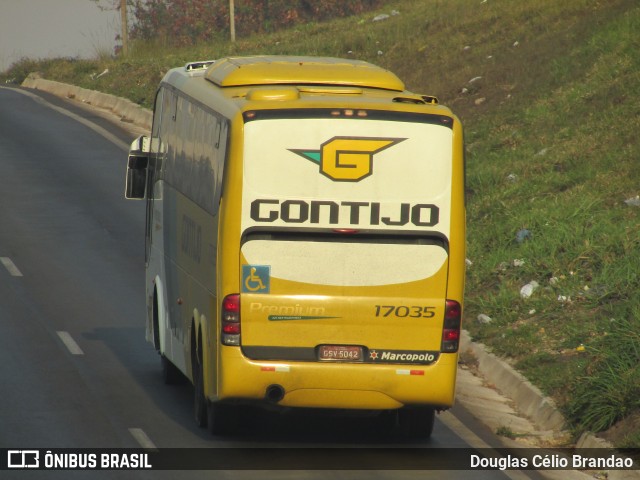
pixel 137 168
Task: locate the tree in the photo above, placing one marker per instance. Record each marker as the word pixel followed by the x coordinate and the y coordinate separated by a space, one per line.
pixel 232 20
pixel 124 26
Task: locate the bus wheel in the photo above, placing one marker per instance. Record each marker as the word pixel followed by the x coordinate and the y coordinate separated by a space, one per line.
pixel 416 422
pixel 386 421
pixel 200 402
pixel 170 373
pixel 221 419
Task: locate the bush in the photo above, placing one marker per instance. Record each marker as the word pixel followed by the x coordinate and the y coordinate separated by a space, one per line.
pixel 611 389
pixel 187 22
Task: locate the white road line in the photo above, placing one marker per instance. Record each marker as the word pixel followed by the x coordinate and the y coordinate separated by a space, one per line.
pixel 10 266
pixel 96 128
pixel 70 343
pixel 142 438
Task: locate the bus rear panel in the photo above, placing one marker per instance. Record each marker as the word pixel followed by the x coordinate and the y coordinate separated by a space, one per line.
pixel 344 260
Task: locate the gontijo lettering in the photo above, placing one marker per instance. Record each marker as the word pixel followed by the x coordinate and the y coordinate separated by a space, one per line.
pixel 268 210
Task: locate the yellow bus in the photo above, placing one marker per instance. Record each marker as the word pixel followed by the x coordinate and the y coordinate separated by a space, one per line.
pixel 305 238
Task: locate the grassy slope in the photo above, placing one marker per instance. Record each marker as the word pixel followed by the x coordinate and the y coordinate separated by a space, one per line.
pixel 552 147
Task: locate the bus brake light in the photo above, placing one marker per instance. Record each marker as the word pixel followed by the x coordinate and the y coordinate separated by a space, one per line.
pixel 230 323
pixel 451 328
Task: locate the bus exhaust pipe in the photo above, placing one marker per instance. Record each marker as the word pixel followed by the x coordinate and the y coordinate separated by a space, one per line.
pixel 274 393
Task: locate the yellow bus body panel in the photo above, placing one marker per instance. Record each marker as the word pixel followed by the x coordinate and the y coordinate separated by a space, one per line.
pixel 340 385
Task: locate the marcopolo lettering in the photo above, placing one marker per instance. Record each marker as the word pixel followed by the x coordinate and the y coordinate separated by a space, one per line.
pixel 354 213
pixel 408 357
pixel 403 356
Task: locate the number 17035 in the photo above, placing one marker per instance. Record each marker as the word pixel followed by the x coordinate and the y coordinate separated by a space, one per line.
pixel 414 311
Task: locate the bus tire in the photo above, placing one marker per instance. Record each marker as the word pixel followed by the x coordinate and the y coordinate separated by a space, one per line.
pixel 170 373
pixel 386 421
pixel 416 422
pixel 156 323
pixel 199 400
pixel 221 419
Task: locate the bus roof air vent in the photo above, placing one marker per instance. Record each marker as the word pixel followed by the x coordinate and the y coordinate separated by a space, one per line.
pixel 194 66
pixel 409 99
pixel 273 94
pixel 293 70
pixel 417 99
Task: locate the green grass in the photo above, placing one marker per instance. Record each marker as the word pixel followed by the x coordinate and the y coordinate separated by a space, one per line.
pixel 552 147
pixel 561 166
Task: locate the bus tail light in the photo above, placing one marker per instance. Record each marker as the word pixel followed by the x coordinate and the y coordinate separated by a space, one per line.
pixel 230 323
pixel 451 330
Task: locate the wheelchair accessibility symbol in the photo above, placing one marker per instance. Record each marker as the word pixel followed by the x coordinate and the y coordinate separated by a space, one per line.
pixel 255 278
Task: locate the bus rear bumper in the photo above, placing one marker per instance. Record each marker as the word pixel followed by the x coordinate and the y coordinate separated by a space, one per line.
pixel 337 385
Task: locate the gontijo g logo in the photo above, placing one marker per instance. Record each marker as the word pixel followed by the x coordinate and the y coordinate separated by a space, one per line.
pixel 347 159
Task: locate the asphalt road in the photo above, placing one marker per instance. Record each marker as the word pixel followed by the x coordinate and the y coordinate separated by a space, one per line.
pixel 75 369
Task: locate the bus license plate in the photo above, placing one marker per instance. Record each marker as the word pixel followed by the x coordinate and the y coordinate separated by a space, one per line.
pixel 340 353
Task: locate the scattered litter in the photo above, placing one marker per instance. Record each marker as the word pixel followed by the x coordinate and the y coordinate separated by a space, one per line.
pixel 394 13
pixel 466 48
pixel 564 299
pixel 542 152
pixel 104 72
pixel 380 52
pixel 468 262
pixel 464 90
pixel 554 280
pixel 484 319
pixel 475 79
pixel 580 348
pixel 633 202
pixel 379 18
pixel 479 101
pixel 517 262
pixel 516 43
pixel 523 235
pixel 512 177
pixel 532 312
pixel 528 289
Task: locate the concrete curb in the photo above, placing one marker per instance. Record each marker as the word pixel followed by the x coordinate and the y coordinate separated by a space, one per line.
pixel 530 401
pixel 128 111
